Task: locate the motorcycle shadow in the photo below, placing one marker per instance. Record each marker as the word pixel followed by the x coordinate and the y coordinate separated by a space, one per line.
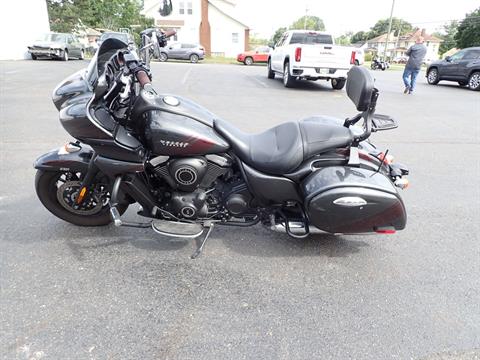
pixel 261 242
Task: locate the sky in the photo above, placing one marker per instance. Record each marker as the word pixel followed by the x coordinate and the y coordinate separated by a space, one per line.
pixel 340 16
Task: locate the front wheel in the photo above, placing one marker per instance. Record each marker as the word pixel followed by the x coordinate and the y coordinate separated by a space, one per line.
pixel 248 61
pixel 432 76
pixel 64 55
pixel 270 72
pixel 338 84
pixel 58 192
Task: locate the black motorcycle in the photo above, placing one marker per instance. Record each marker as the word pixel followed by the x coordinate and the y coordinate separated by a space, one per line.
pixel 379 65
pixel 190 170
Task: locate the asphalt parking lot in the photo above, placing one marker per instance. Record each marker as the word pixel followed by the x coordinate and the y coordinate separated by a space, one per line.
pixel 120 293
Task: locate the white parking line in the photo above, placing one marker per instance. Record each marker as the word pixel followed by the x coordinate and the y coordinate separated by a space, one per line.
pixel 185 77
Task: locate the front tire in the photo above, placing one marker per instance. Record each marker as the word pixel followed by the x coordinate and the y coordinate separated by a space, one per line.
pixel 288 80
pixel 338 84
pixel 34 57
pixel 248 61
pixel 433 77
pixel 56 191
pixel 474 81
pixel 270 72
pixel 65 55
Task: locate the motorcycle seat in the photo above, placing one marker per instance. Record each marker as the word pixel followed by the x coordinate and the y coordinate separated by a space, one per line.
pixel 281 149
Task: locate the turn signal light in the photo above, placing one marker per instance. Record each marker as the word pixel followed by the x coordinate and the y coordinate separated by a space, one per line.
pixel 352 58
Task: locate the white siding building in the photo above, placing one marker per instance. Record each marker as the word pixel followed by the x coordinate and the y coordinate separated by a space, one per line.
pixel 210 23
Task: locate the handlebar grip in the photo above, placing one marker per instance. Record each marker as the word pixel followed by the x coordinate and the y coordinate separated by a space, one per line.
pixel 142 78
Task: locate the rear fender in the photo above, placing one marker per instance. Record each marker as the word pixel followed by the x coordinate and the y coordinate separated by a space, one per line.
pixel 61 160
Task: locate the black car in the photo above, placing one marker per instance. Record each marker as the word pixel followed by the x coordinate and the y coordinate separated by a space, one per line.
pixel 462 67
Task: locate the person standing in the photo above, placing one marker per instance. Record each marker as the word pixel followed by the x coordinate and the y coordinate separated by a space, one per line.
pixel 415 54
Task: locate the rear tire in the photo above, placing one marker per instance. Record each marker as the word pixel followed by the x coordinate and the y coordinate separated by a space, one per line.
pixel 82 55
pixel 288 80
pixel 34 57
pixel 194 58
pixel 474 81
pixel 270 72
pixel 432 76
pixel 163 57
pixel 338 84
pixel 46 185
pixel 248 61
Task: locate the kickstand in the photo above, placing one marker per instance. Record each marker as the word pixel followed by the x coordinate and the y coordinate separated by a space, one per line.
pixel 201 242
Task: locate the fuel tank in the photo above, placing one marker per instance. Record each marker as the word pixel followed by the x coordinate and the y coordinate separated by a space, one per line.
pixel 173 125
pixel 70 98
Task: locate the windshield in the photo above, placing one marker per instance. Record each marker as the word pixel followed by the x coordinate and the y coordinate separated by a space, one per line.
pixel 110 35
pixel 97 65
pixel 311 38
pixel 54 38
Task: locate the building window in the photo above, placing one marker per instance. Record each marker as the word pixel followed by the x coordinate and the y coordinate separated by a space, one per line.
pixel 235 38
pixel 189 8
pixel 181 8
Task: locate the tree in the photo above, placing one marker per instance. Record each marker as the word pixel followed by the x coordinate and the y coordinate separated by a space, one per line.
pixel 344 39
pixel 399 26
pixel 278 34
pixel 359 36
pixel 468 32
pixel 447 36
pixel 308 23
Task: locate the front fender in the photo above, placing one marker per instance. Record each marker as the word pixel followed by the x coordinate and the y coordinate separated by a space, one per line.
pixel 60 160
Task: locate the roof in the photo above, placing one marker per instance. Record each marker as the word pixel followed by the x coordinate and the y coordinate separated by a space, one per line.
pixel 416 33
pixel 227 15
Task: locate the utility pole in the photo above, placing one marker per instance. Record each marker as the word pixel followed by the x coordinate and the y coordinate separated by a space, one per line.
pixel 389 29
pixel 305 18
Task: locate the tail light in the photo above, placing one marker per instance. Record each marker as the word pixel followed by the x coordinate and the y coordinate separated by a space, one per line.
pixel 352 58
pixel 298 54
pixel 385 230
pixel 385 159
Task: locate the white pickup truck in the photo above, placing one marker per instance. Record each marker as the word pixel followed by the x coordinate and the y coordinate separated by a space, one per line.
pixel 310 55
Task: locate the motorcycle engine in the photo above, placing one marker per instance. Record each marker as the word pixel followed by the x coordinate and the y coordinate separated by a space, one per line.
pixel 189 179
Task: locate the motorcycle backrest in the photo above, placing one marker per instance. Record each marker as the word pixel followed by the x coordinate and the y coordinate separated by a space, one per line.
pixel 360 85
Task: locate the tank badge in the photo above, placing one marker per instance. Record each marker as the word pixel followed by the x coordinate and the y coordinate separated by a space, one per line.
pixel 174 143
pixel 170 100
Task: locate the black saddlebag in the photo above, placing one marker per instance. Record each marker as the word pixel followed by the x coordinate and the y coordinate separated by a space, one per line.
pixel 342 199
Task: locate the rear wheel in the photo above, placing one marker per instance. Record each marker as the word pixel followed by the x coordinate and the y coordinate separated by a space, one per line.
pixel 58 192
pixel 270 72
pixel 432 76
pixel 288 80
pixel 474 81
pixel 34 57
pixel 338 84
pixel 82 55
pixel 163 57
pixel 248 61
pixel 194 58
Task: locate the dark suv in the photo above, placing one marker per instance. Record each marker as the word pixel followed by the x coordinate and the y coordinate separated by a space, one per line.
pixel 463 67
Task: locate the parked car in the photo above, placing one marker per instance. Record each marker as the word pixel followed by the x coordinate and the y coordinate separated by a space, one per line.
pixel 400 59
pixel 462 67
pixel 127 38
pixel 258 55
pixel 182 51
pixel 57 46
pixel 310 55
